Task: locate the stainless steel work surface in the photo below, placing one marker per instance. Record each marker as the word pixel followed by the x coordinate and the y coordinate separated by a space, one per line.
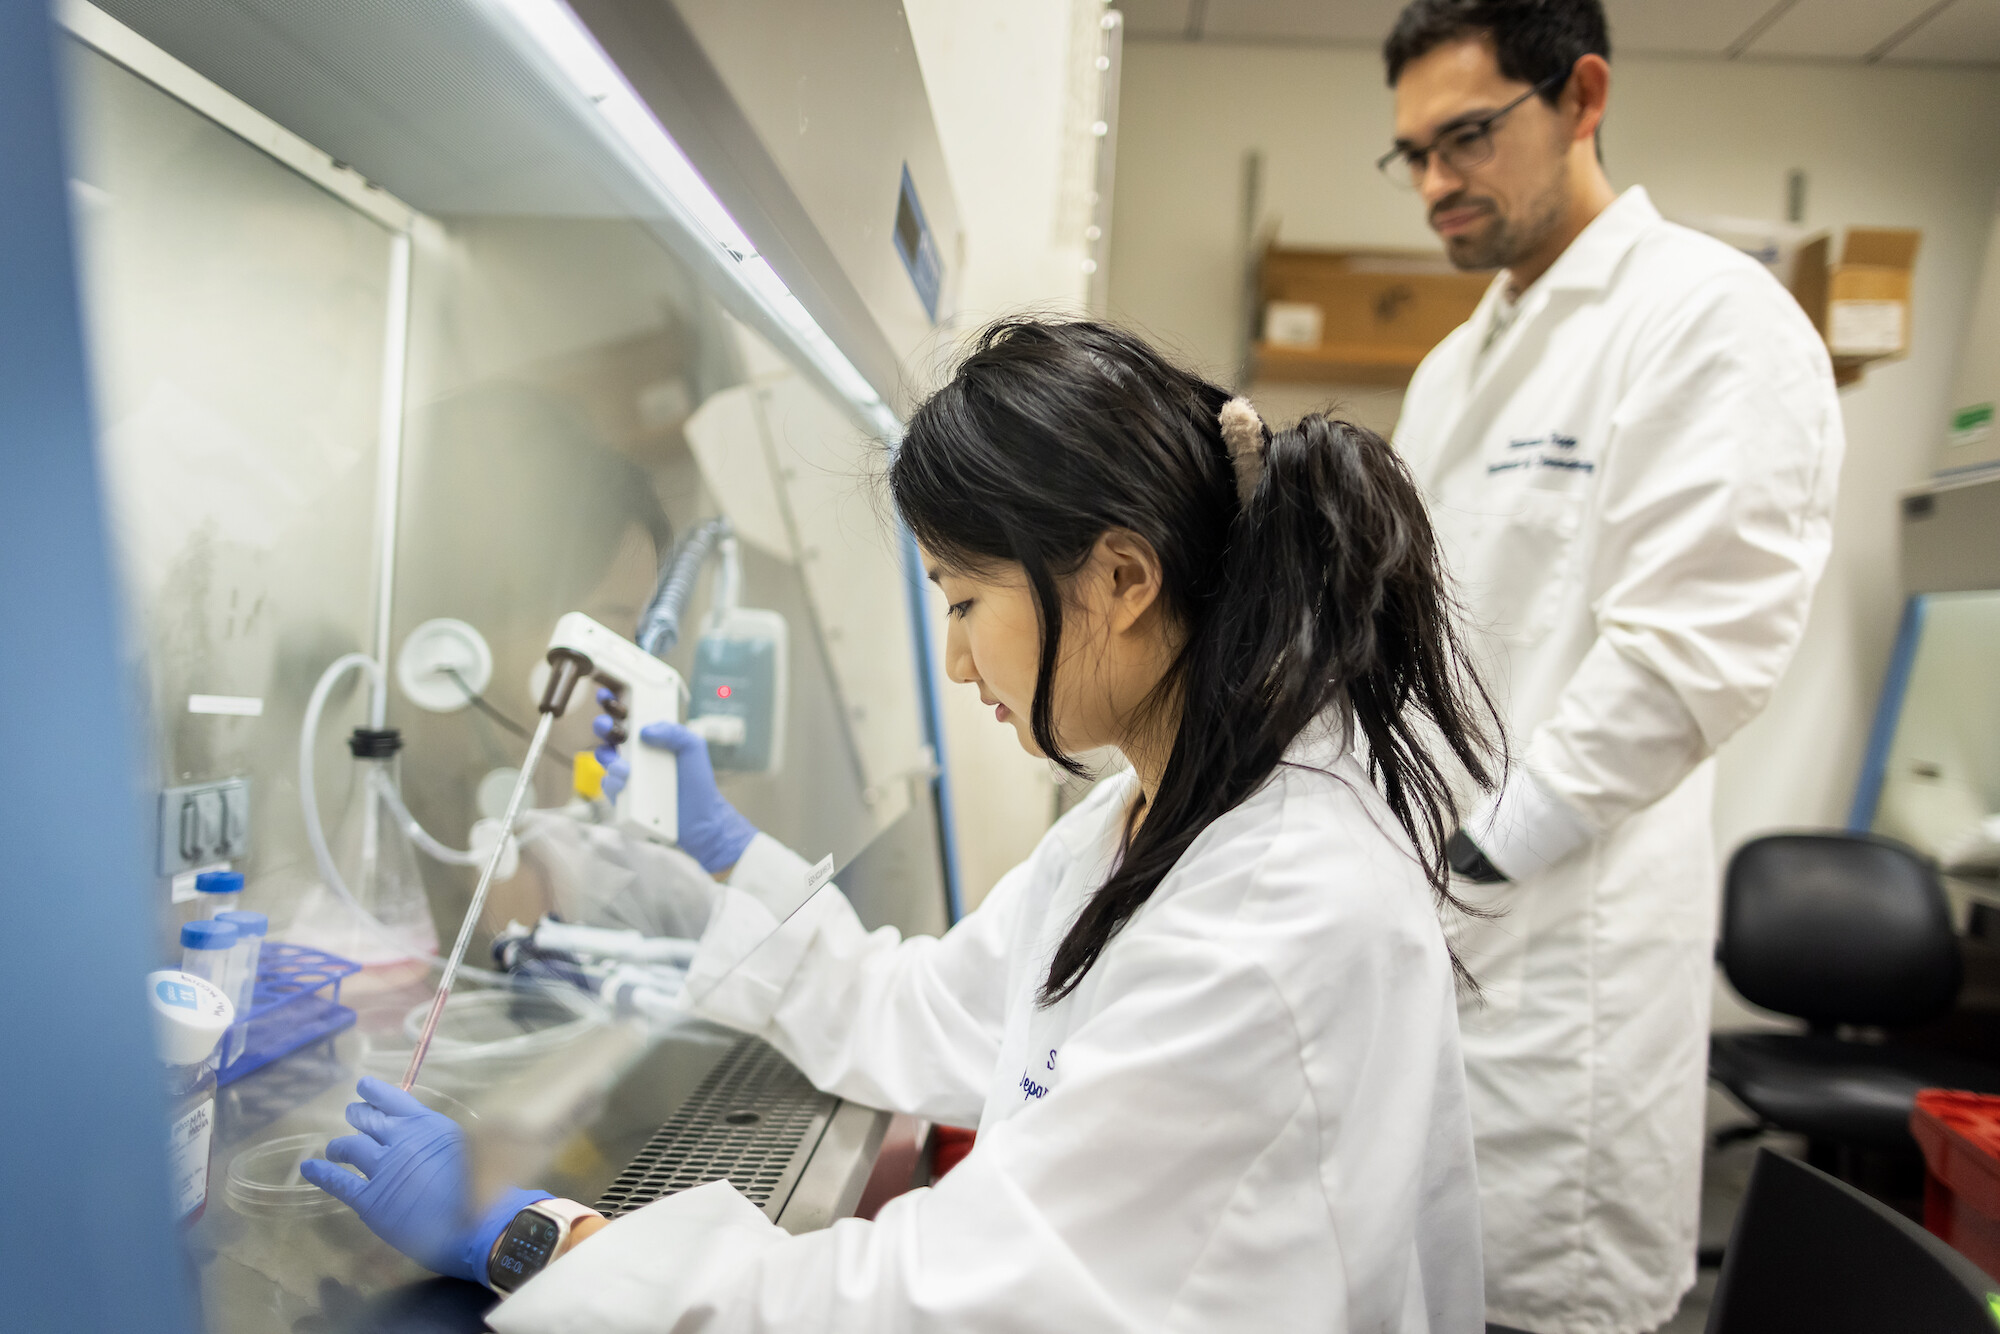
pixel 306 1265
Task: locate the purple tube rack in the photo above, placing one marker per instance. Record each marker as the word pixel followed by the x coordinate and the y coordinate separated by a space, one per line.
pixel 296 1001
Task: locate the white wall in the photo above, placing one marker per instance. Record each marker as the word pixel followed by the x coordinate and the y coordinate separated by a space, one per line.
pixel 1002 82
pixel 1894 147
pixel 1978 380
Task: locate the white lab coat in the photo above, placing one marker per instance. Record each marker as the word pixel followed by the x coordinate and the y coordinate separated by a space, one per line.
pixel 1249 1116
pixel 1634 486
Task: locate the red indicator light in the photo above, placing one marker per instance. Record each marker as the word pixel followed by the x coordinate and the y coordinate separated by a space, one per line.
pixel 722 692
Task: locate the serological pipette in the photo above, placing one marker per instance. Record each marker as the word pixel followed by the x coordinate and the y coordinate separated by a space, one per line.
pixel 566 668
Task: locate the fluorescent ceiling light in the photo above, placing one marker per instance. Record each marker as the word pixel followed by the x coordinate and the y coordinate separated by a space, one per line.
pixel 575 54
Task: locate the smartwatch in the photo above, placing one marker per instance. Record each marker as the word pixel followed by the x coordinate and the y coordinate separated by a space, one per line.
pixel 538 1234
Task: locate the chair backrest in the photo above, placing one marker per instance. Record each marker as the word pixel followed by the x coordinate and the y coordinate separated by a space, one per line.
pixel 1809 1252
pixel 1838 928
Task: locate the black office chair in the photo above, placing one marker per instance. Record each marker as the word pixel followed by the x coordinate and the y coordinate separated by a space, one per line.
pixel 1836 929
pixel 1809 1252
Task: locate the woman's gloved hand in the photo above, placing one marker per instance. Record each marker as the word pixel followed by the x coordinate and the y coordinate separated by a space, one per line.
pixel 414 1192
pixel 712 831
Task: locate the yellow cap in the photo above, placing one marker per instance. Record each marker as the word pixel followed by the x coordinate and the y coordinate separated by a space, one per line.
pixel 586 775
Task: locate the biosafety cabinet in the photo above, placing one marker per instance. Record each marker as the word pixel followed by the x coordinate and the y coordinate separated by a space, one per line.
pixel 1931 776
pixel 409 314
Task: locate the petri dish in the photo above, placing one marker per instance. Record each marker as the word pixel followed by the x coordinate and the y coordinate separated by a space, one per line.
pixel 498 1026
pixel 264 1179
pixel 444 1102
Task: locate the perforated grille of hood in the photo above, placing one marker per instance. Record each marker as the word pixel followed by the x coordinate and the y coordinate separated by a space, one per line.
pixel 753 1122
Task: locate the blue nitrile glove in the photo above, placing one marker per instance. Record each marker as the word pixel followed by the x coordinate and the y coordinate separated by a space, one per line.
pixel 712 831
pixel 414 1194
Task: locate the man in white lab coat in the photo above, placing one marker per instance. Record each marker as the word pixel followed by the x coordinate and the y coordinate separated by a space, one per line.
pixel 1631 450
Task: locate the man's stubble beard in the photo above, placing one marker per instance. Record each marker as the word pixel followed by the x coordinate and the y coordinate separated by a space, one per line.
pixel 1510 240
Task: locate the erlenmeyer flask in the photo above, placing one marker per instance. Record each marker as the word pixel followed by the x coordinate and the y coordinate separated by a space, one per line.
pixel 376 859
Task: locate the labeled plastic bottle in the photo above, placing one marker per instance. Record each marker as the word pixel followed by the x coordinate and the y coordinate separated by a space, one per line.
pixel 251 928
pixel 205 949
pixel 220 891
pixel 190 1015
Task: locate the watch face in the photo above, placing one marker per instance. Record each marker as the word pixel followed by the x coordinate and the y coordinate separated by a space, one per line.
pixel 524 1249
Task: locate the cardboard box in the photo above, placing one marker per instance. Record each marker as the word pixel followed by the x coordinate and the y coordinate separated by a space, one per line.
pixel 1868 294
pixel 1860 305
pixel 1781 247
pixel 1294 324
pixel 1380 312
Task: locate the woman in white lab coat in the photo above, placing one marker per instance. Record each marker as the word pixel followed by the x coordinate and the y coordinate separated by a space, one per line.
pixel 1207 1032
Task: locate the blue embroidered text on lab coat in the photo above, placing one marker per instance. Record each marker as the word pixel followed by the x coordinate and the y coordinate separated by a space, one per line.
pixel 1547 458
pixel 1031 1088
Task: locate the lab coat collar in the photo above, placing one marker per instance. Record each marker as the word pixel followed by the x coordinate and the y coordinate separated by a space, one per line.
pixel 1588 265
pixel 1594 256
pixel 1320 745
pixel 1098 816
pixel 1322 742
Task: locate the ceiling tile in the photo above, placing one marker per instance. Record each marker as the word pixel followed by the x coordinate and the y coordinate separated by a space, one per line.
pixel 1967 33
pixel 1155 18
pixel 1705 27
pixel 1364 22
pixel 1839 29
pixel 1679 27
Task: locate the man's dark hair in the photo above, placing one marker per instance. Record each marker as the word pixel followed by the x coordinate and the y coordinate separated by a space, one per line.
pixel 1537 41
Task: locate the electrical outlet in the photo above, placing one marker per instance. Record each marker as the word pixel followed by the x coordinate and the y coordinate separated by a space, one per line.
pixel 204 823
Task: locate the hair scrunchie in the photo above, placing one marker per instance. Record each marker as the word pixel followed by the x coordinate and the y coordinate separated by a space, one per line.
pixel 1243 432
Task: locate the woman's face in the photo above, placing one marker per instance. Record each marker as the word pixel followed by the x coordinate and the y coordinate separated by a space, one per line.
pixel 1115 646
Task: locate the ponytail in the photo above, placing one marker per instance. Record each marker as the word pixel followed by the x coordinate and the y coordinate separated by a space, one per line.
pixel 1305 583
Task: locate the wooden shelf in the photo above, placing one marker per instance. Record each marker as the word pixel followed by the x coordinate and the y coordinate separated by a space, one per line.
pixel 1338 363
pixel 1380 312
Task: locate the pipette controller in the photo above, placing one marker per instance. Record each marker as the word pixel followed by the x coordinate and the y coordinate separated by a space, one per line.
pixel 644 690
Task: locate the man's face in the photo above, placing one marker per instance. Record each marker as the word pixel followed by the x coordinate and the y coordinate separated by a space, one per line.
pixel 1500 211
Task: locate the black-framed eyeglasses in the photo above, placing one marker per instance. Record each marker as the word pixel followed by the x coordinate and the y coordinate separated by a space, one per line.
pixel 1462 147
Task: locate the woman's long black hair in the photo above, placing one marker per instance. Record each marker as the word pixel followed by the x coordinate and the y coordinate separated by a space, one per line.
pixel 1325 591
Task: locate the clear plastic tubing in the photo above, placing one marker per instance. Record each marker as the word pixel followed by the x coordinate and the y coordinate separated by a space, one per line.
pixel 206 947
pixel 221 892
pixel 251 928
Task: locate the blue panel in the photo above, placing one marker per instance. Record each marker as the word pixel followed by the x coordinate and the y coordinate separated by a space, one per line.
pixel 86 1241
pixel 917 246
pixel 927 683
pixel 1888 710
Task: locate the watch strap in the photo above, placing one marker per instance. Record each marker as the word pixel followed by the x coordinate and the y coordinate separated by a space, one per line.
pixel 564 1213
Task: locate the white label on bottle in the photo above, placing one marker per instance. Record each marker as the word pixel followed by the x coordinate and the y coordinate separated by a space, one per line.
pixel 187 1158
